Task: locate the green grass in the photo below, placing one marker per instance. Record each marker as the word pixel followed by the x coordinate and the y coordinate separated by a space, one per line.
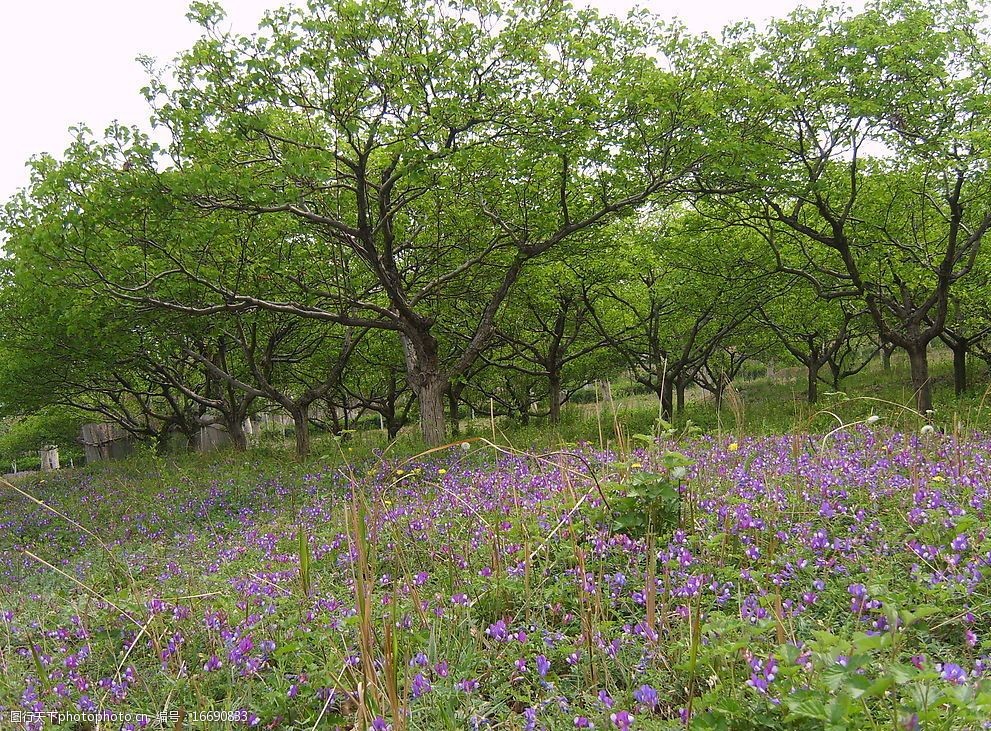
pixel 263 539
pixel 771 407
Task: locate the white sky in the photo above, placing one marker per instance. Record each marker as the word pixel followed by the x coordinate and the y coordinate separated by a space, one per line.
pixel 66 62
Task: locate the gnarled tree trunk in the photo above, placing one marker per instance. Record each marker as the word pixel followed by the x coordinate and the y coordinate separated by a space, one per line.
pixel 430 396
pixel 301 427
pixel 429 383
pixel 235 429
pixel 554 391
pixel 666 395
pixel 812 390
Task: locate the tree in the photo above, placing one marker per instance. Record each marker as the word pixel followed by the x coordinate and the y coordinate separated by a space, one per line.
pixel 669 295
pixel 823 89
pixel 968 322
pixel 816 332
pixel 61 346
pixel 423 153
pixel 375 380
pixel 285 360
pixel 547 332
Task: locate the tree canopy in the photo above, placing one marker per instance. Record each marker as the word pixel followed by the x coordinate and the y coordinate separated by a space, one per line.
pixel 366 203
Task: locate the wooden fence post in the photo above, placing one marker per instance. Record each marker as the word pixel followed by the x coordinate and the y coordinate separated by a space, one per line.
pixel 49 458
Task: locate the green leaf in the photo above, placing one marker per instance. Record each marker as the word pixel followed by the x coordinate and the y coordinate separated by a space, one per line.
pixel 806 704
pixel 835 676
pixel 901 674
pixel 839 707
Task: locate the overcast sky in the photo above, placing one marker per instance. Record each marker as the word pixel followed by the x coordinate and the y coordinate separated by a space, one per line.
pixel 66 62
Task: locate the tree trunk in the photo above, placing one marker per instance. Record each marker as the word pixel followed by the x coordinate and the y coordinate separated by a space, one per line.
pixel 429 383
pixel 430 396
pixel 918 358
pixel 812 393
pixel 453 406
pixel 680 385
pixel 189 431
pixel 235 428
pixel 960 367
pixel 388 412
pixel 301 425
pixel 666 395
pixel 837 372
pixel 886 351
pixel 554 391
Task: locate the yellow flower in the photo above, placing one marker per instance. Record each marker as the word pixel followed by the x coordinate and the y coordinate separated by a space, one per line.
pixel 636 466
pixel 939 478
pixel 400 472
pixel 441 471
pixel 734 446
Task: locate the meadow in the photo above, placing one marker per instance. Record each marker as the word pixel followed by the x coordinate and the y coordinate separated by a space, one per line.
pixel 709 576
pixel 570 369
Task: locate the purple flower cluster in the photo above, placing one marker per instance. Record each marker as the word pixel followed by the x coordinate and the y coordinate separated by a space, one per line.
pixel 502 587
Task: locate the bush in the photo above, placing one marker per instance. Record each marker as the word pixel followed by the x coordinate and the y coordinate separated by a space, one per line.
pixel 21 438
